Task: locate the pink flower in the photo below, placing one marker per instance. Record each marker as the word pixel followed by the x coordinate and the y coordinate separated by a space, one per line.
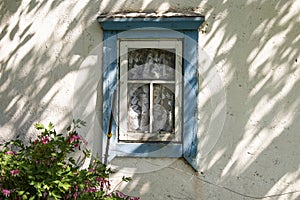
pixel 105 183
pixel 121 195
pixel 10 153
pixel 45 140
pixel 15 172
pixel 6 192
pixel 92 189
pixel 75 195
pixel 99 179
pixel 74 138
pixel 45 194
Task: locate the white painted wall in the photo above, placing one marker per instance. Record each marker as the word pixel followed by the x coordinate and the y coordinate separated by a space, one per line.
pixel 50 70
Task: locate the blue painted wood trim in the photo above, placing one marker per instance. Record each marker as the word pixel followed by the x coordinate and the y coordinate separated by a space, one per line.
pixel 190 90
pixel 150 33
pixel 110 73
pixel 174 23
pixel 109 77
pixel 156 150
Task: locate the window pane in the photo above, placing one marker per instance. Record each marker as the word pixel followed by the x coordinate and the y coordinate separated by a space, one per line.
pixel 138 107
pixel 148 63
pixel 163 108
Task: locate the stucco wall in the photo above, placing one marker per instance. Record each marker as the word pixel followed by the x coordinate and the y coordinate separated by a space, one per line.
pixel 50 70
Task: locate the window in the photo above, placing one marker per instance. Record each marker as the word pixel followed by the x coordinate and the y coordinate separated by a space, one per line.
pixel 150 90
pixel 152 63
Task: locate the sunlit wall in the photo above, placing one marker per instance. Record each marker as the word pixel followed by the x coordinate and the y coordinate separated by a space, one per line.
pixel 249 72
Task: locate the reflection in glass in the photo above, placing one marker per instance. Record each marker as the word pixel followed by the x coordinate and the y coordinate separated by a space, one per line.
pixel 138 111
pixel 150 63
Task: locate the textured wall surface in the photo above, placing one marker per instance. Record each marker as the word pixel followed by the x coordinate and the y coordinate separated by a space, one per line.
pixel 50 70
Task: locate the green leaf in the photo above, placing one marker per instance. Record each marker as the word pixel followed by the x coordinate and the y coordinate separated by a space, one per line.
pixel 46 187
pixel 55 196
pixel 83 123
pixel 39 126
pixel 32 183
pixel 126 179
pixel 39 193
pixel 87 153
pixel 72 161
pixel 56 182
pixel 20 193
pixel 64 186
pixel 54 154
pixel 37 185
pixel 50 126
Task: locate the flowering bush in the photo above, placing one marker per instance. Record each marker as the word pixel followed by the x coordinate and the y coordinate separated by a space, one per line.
pixel 44 169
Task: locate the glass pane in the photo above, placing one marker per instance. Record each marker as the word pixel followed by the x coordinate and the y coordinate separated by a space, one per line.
pixel 151 64
pixel 138 107
pixel 163 108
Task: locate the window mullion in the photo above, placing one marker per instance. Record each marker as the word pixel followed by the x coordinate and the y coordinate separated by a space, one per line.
pixel 151 107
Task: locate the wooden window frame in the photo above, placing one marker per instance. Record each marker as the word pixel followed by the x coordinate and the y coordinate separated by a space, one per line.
pixel 182 27
pixel 124 46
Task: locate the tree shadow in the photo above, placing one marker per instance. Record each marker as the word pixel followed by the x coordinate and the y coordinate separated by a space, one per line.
pixel 39 54
pixel 257 58
pixel 43 44
pixel 259 63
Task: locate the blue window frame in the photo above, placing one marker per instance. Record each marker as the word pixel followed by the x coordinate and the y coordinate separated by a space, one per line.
pixel 181 28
